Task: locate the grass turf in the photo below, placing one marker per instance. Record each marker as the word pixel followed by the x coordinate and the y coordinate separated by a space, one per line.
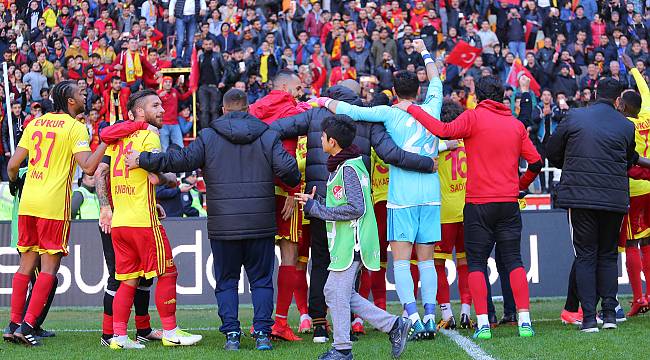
pixel 552 341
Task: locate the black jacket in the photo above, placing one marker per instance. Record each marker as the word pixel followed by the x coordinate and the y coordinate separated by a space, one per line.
pixel 171 199
pixel 239 156
pixel 217 63
pixel 594 147
pixel 17 130
pixel 368 134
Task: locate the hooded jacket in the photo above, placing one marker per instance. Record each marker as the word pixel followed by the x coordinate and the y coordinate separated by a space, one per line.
pixel 594 147
pixel 239 156
pixel 368 134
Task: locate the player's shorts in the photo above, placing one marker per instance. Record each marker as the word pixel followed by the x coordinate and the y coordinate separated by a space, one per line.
pixel 287 229
pixel 452 237
pixel 636 223
pixel 45 236
pixel 141 252
pixel 416 224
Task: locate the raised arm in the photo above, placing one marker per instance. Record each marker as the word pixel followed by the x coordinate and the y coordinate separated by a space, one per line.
pixel 359 113
pixel 189 158
pixel 458 129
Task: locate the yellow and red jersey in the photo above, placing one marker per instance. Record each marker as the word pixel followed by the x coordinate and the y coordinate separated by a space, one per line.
pixel 379 176
pixel 641 132
pixel 52 140
pixel 452 170
pixel 134 197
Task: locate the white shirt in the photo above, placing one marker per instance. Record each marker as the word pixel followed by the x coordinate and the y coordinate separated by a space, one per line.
pixel 189 7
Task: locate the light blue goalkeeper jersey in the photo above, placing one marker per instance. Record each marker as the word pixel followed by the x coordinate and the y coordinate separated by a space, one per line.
pixel 405 187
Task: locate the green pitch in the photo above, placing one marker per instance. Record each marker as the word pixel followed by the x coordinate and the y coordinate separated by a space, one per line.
pixel 552 341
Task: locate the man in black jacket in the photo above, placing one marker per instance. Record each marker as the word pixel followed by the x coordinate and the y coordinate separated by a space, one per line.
pixel 239 156
pixel 316 174
pixel 594 147
pixel 211 80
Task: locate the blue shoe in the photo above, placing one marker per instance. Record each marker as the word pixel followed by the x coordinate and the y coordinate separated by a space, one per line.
pixel 262 341
pixel 417 331
pixel 232 341
pixel 431 330
pixel 620 315
pixel 483 333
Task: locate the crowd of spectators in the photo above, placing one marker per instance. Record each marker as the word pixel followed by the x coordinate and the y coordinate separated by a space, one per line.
pixel 112 48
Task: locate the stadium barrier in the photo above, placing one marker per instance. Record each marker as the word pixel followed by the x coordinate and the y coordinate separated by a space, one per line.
pixel 546 249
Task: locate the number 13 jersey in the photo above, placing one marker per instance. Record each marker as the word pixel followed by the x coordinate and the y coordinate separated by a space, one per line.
pixel 51 140
pixel 134 197
pixel 452 168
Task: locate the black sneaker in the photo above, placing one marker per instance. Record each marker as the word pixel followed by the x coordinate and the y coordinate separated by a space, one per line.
pixel 42 333
pixel 320 334
pixel 398 336
pixel 609 320
pixel 26 334
pixel 466 322
pixel 589 327
pixel 262 341
pixel 353 337
pixel 105 340
pixel 510 319
pixel 334 354
pixel 8 333
pixel 232 341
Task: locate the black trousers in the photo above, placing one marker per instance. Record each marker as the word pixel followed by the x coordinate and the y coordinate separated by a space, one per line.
pixel 320 261
pixel 595 238
pixel 490 224
pixel 209 104
pixel 509 306
pixel 258 258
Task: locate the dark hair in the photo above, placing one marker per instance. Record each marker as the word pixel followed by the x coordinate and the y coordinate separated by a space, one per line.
pixel 340 128
pixel 632 102
pixel 61 92
pixel 283 75
pixel 489 88
pixel 406 84
pixel 380 98
pixel 609 89
pixel 450 110
pixel 135 98
pixel 235 100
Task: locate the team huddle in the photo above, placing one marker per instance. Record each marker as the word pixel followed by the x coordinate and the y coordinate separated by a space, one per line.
pixel 435 198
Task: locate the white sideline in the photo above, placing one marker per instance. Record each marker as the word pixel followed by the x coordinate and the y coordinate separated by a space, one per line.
pixel 470 347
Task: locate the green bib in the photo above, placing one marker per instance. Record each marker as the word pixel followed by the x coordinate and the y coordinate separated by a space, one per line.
pixel 196 202
pixel 90 207
pixel 14 212
pixel 344 237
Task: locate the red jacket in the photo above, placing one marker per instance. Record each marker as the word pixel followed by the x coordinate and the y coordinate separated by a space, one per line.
pixel 125 92
pixel 494 142
pixel 276 105
pixel 170 104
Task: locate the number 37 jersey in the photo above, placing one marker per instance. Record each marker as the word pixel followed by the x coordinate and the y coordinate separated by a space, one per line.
pixel 51 140
pixel 452 168
pixel 134 198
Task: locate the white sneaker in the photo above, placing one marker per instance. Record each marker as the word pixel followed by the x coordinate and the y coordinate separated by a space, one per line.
pixel 125 345
pixel 154 335
pixel 182 338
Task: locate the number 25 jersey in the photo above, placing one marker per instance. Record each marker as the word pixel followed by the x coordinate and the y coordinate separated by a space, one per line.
pixel 134 197
pixel 51 140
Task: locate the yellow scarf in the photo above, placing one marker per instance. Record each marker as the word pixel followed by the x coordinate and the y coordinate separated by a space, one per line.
pixel 133 67
pixel 264 68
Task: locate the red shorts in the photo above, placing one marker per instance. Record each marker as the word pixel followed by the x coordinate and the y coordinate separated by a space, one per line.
pixel 380 215
pixel 287 229
pixel 304 242
pixel 452 237
pixel 141 252
pixel 45 236
pixel 636 224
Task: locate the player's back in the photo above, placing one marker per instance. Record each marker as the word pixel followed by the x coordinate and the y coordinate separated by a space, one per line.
pixel 641 132
pixel 452 169
pixel 52 140
pixel 134 197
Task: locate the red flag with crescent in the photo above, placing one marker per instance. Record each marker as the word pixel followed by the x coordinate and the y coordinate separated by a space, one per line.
pixel 463 55
pixel 516 71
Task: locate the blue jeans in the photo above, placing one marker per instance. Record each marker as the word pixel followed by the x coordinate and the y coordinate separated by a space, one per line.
pixel 185 30
pixel 517 48
pixel 258 258
pixel 171 134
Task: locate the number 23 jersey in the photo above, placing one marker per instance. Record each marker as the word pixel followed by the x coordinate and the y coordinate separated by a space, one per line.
pixel 52 140
pixel 452 168
pixel 134 197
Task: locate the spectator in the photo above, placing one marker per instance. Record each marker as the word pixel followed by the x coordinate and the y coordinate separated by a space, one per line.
pixel 343 72
pixel 18 120
pixel 171 132
pixel 211 67
pixel 115 99
pixel 226 40
pixel 516 30
pixel 580 23
pixel 314 23
pixel 382 45
pixel 187 12
pixel 37 80
pixel 361 57
pixel 564 82
pixel 84 203
pixel 591 80
pixel 487 39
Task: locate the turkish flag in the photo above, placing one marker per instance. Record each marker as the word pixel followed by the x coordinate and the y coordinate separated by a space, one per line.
pixel 194 72
pixel 516 71
pixel 463 55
